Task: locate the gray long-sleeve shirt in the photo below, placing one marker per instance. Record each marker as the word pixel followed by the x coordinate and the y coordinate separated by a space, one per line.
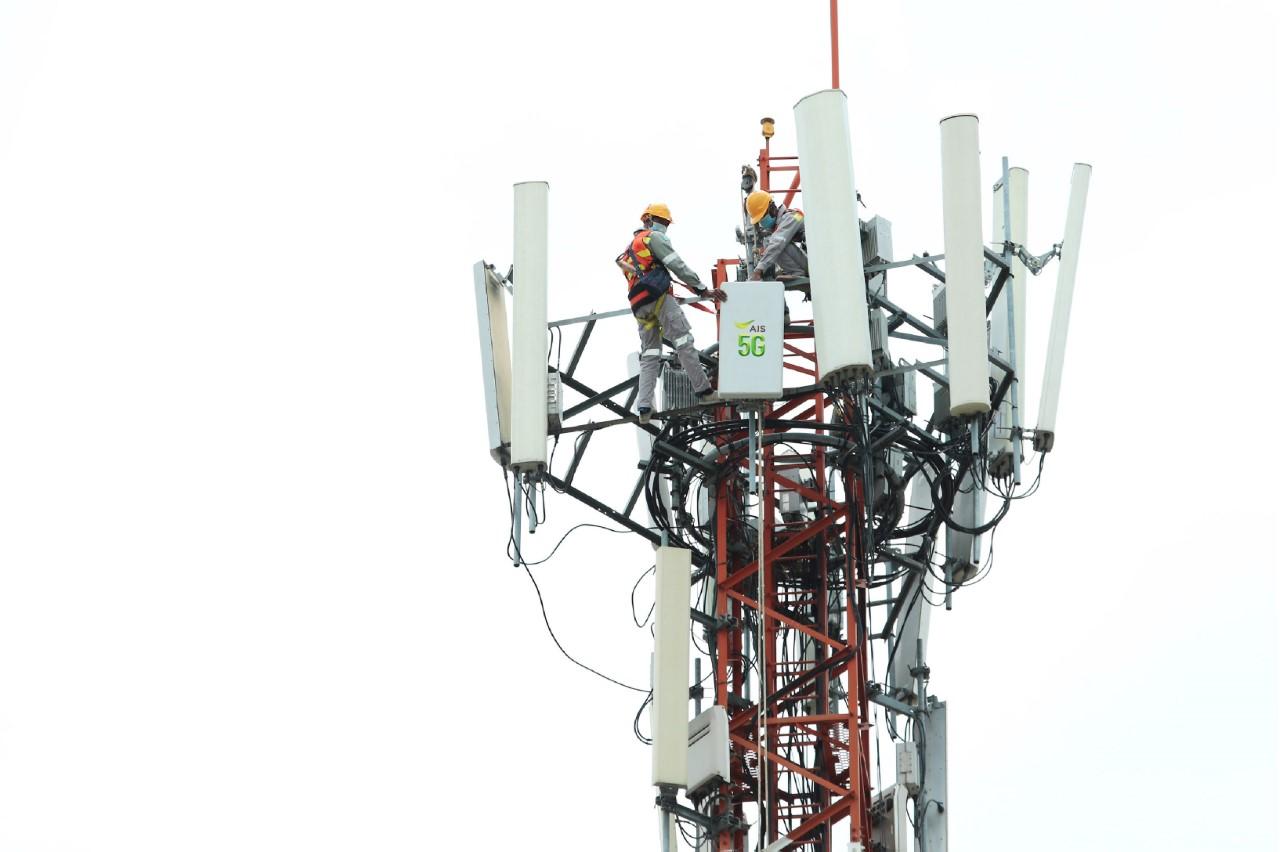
pixel 781 249
pixel 660 245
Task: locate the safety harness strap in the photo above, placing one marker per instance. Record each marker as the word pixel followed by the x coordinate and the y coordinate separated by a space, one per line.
pixel 652 320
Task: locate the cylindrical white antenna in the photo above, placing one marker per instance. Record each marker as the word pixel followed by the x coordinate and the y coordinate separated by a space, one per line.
pixel 1015 288
pixel 529 346
pixel 1062 306
pixel 836 282
pixel 962 232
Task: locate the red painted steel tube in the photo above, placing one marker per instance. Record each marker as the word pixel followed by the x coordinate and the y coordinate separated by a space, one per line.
pixel 791 193
pixel 835 46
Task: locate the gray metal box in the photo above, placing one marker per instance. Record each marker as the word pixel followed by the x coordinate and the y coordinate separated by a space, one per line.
pixel 708 749
pixel 908 761
pixel 879 331
pixel 939 306
pixel 877 241
pixel 677 388
pixel 555 400
pixel 904 387
pixel 908 393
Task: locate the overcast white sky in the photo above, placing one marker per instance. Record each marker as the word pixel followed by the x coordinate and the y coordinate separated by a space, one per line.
pixel 252 585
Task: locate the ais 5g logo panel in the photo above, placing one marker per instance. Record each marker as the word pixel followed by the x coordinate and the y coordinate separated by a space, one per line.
pixel 751 340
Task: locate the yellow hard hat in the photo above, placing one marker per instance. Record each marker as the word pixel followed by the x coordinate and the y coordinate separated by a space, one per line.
pixel 758 204
pixel 660 210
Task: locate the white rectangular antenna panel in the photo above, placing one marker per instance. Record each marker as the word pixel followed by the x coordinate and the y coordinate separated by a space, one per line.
pixel 964 549
pixel 1016 288
pixel 751 340
pixel 529 351
pixel 966 300
pixel 933 781
pixel 495 359
pixel 669 716
pixel 1062 300
pixel 644 438
pixel 836 282
pixel 1019 180
pixel 915 621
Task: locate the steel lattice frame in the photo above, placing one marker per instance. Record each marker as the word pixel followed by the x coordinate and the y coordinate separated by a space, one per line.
pixel 797 577
pixel 800 724
pixel 805 582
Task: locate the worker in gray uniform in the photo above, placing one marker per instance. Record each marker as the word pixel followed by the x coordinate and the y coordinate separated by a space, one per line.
pixel 648 264
pixel 783 256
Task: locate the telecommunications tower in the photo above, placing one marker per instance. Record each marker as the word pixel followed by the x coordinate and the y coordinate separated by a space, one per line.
pixel 808 522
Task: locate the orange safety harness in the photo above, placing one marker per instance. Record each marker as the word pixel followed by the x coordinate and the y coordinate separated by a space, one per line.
pixel 647 279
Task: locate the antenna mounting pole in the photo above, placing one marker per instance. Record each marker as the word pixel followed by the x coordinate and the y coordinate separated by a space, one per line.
pixel 835 46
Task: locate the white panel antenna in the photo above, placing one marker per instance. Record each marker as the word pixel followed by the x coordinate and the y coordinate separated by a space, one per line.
pixel 1047 421
pixel 529 352
pixel 962 231
pixel 915 624
pixel 669 716
pixel 1015 288
pixel 644 438
pixel 495 359
pixel 843 337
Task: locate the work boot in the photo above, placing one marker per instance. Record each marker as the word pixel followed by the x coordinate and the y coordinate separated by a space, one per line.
pixel 645 414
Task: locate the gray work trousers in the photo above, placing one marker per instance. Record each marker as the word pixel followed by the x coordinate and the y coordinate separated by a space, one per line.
pixel 672 324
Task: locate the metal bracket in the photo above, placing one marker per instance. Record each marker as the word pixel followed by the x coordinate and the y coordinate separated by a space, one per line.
pixel 710 622
pixel 503 281
pixel 877 695
pixel 714 825
pixel 1034 263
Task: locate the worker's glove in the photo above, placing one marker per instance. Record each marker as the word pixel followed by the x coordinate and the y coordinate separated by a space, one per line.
pixel 716 295
pixel 757 275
